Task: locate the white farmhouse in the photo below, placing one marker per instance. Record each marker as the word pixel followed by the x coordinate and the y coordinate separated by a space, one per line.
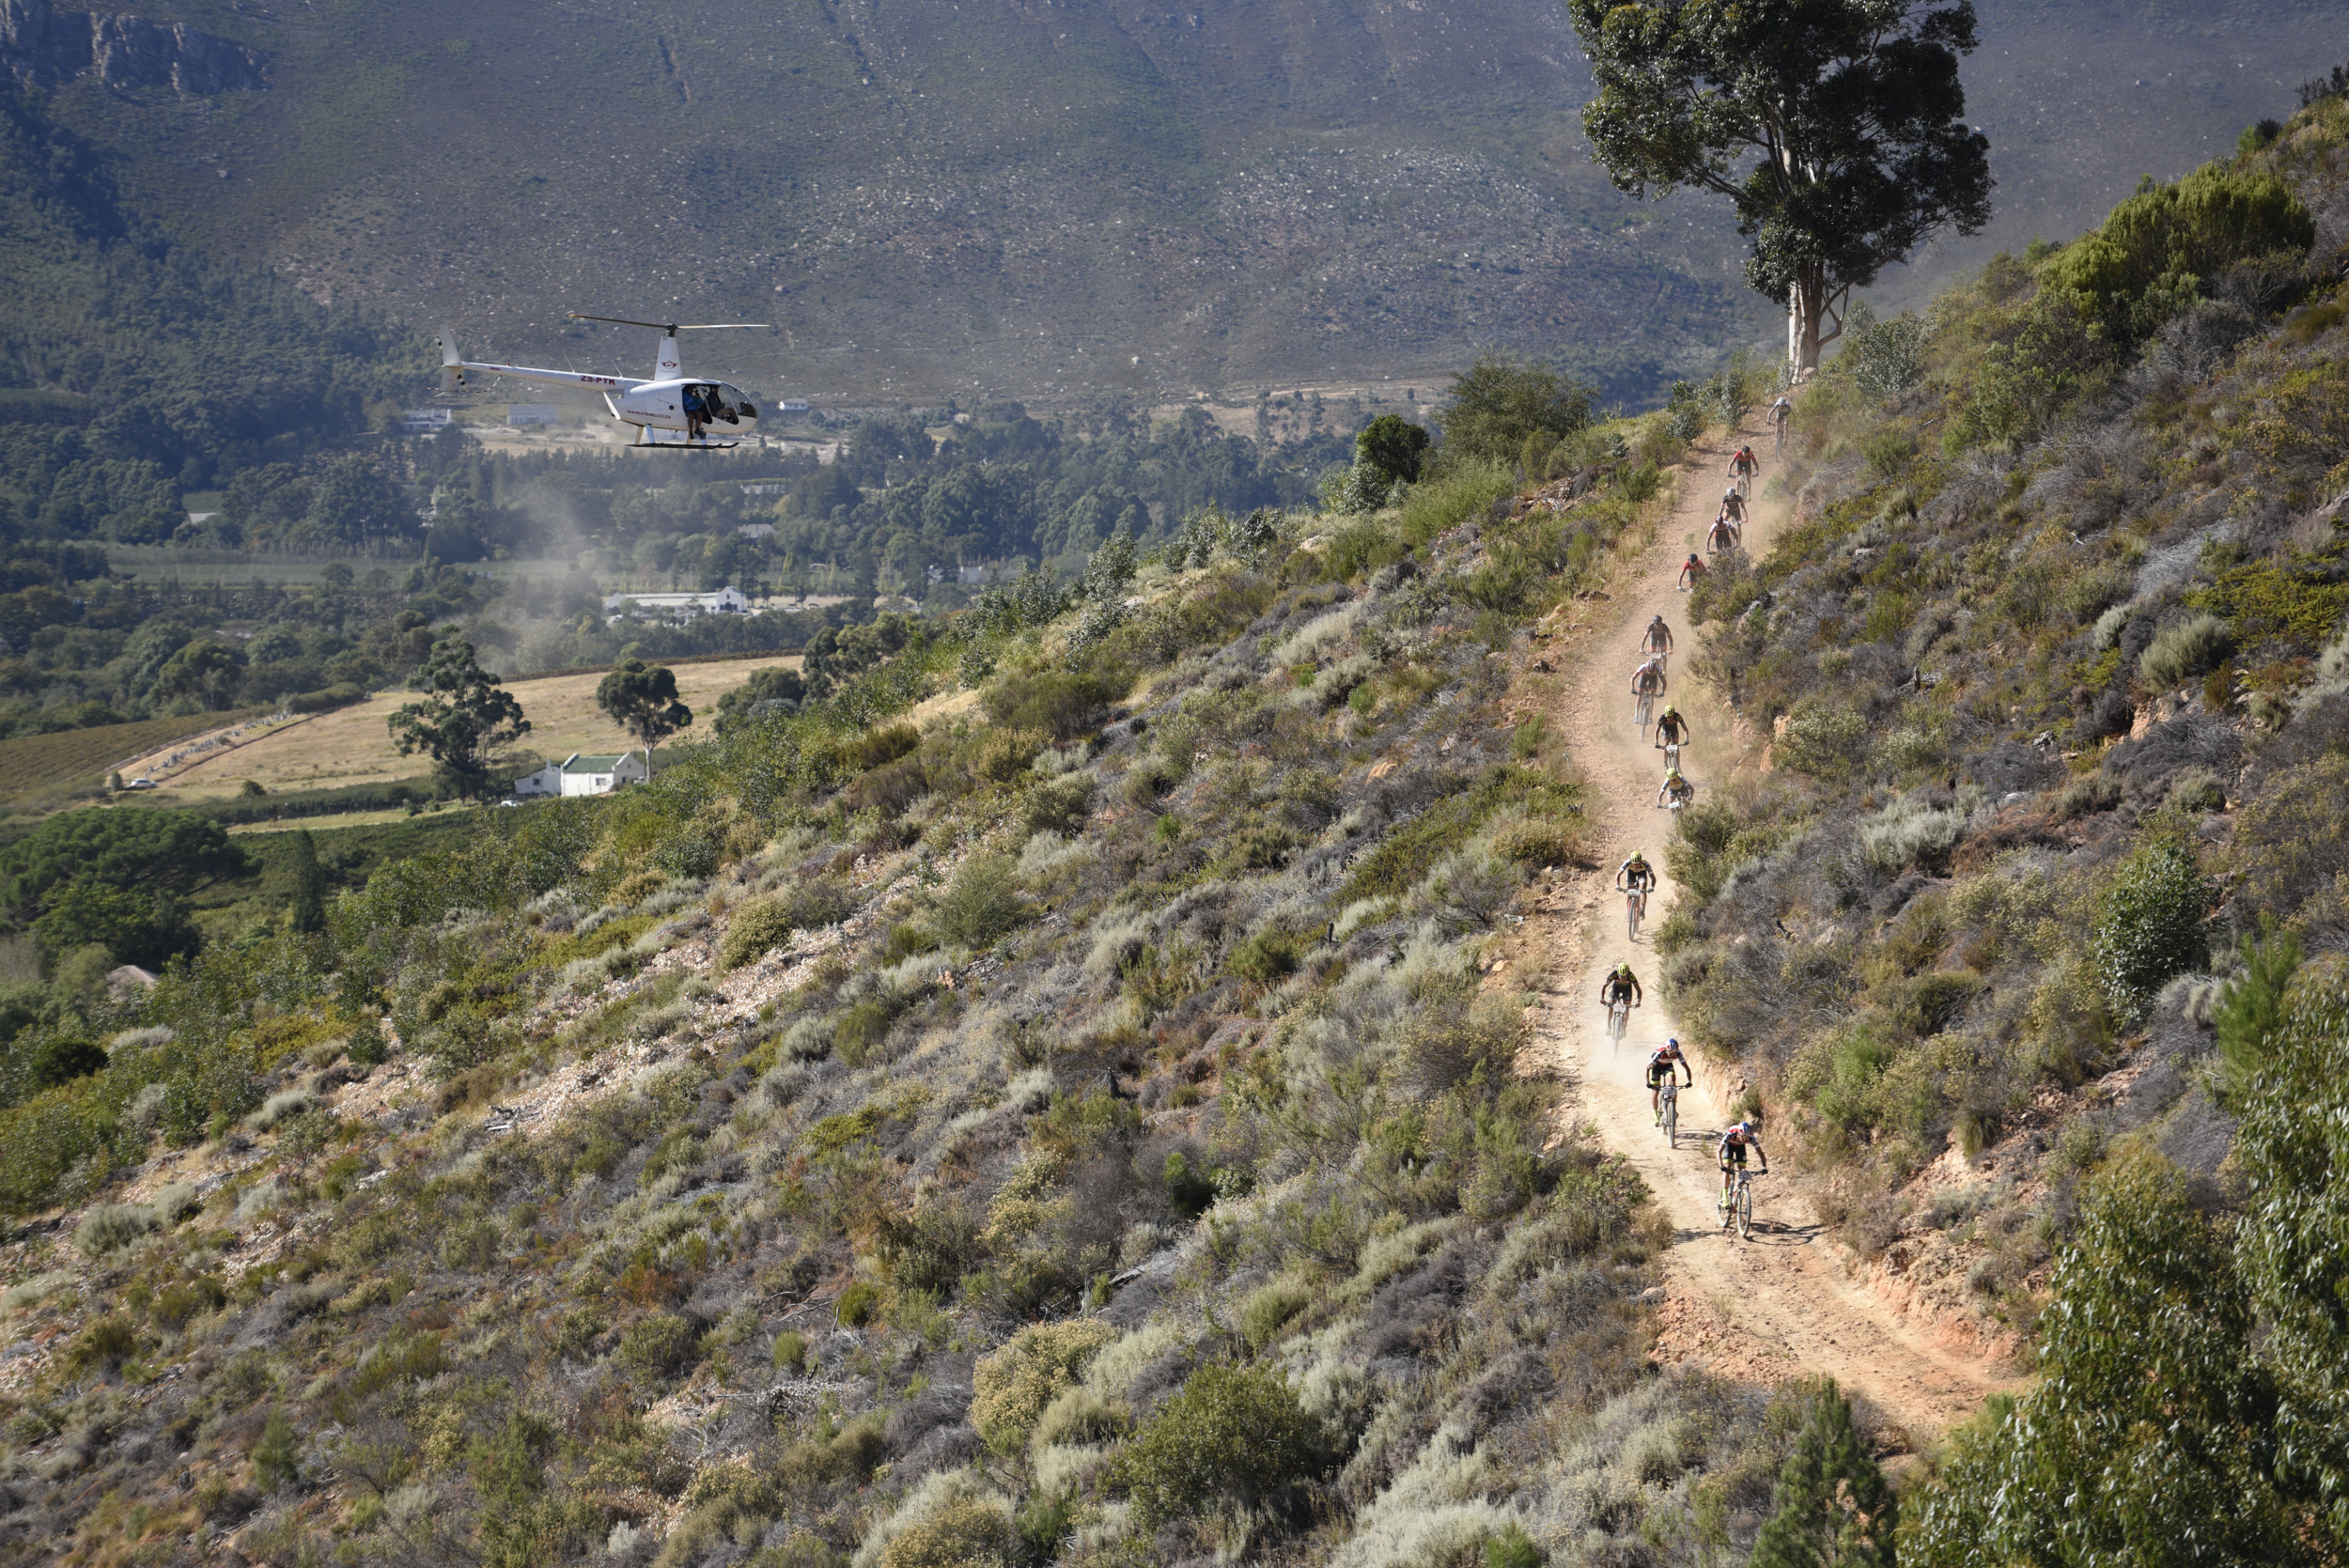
pixel 580 774
pixel 676 607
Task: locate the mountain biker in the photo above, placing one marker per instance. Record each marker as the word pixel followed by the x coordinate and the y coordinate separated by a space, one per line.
pixel 1721 536
pixel 1690 571
pixel 1635 874
pixel 1648 679
pixel 1658 638
pixel 1734 506
pixel 1743 465
pixel 1621 984
pixel 1675 788
pixel 1671 728
pixel 1661 1063
pixel 1780 411
pixel 1732 1154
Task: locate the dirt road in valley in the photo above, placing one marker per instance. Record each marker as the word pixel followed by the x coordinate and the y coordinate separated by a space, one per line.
pixel 1782 1304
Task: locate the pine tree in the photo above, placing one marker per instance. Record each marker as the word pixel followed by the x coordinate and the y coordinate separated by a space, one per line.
pixel 308 911
pixel 276 1458
pixel 1832 1508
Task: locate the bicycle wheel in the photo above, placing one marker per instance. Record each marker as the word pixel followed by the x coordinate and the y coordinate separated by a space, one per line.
pixel 1744 1207
pixel 1631 916
pixel 1672 1118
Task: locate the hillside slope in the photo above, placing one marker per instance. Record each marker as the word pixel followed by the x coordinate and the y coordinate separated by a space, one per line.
pixel 1003 198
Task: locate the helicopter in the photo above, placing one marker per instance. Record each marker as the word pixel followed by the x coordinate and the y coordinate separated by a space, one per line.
pixel 667 401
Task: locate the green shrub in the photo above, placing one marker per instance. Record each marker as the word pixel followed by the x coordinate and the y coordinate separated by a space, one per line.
pixel 2152 925
pixel 859 1030
pixel 107 1341
pixel 1232 1438
pixel 1060 806
pixel 1888 451
pixel 790 1351
pixel 858 1304
pixel 1013 1384
pixel 1271 1308
pixel 1464 490
pixel 367 1047
pixel 1513 1548
pixel 1822 738
pixel 983 903
pixel 2182 650
pixel 880 747
pixel 660 1345
pixel 1061 703
pixel 2153 248
pixel 1884 358
pixel 1266 956
pixel 761 923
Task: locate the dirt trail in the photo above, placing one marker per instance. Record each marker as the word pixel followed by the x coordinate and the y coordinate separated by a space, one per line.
pixel 1783 1303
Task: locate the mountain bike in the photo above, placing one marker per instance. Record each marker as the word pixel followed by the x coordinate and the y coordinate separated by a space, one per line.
pixel 1671 1111
pixel 1672 754
pixel 1618 1016
pixel 1634 910
pixel 1642 710
pixel 1741 1201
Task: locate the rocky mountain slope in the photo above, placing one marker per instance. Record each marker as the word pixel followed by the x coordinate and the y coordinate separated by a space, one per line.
pixel 1046 200
pixel 1077 1094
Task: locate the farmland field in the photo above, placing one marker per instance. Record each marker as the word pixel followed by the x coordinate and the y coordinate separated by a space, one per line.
pixel 352 746
pixel 33 766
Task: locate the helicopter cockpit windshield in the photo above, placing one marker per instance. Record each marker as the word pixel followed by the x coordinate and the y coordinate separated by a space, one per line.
pixel 715 402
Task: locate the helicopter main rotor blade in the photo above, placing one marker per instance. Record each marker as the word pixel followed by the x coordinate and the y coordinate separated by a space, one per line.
pixel 670 327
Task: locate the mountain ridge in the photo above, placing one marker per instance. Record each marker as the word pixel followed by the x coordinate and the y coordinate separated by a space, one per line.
pixel 1050 200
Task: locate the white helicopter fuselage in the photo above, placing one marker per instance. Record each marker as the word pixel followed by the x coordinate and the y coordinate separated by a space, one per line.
pixel 692 407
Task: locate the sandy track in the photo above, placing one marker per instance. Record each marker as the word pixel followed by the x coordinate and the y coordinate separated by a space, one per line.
pixel 1782 1304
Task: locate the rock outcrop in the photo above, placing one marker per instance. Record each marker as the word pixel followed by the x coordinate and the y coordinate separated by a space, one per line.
pixel 42 45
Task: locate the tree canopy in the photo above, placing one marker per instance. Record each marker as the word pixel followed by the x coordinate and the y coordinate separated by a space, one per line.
pixel 1393 447
pixel 642 699
pixel 122 847
pixel 1497 402
pixel 464 715
pixel 1835 126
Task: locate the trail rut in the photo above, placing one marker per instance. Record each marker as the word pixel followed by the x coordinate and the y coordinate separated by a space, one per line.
pixel 1784 1303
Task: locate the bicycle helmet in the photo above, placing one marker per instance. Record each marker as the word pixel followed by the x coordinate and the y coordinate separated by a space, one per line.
pixel 1671 712
pixel 1622 968
pixel 1671 772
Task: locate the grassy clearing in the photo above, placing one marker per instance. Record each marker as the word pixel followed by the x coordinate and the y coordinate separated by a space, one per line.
pixel 351 745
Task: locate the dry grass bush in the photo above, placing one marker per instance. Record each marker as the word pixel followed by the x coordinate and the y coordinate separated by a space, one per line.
pixel 1012 1386
pixel 110 1227
pixel 2184 649
pixel 951 1519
